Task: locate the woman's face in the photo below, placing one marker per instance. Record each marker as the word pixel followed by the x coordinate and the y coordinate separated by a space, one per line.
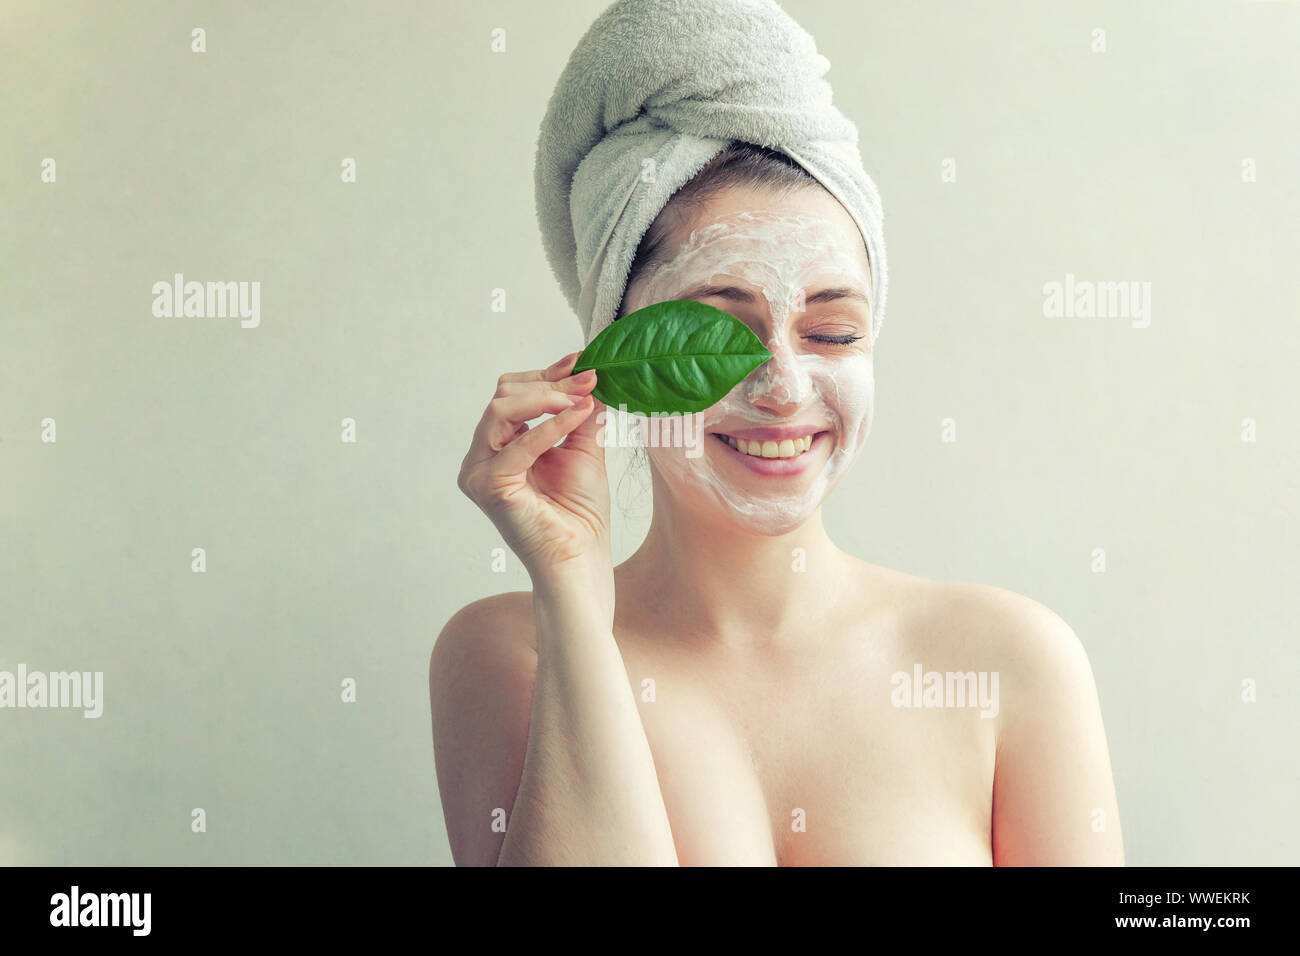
pixel 795 271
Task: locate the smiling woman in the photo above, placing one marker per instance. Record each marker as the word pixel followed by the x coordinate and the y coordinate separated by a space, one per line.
pixel 770 257
pixel 730 694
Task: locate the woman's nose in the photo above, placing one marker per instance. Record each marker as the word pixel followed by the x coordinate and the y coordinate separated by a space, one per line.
pixel 778 384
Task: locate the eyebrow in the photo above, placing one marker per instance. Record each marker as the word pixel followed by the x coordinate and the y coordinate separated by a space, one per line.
pixel 744 296
pixel 732 293
pixel 830 295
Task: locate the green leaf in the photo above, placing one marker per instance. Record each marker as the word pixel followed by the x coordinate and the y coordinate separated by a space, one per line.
pixel 679 356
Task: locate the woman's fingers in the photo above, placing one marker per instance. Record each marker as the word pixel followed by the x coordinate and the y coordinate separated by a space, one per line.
pixel 505 415
pixel 551 373
pixel 518 456
pixel 574 384
pixel 518 402
pixel 585 436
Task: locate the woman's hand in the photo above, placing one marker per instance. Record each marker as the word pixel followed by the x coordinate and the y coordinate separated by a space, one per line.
pixel 551 504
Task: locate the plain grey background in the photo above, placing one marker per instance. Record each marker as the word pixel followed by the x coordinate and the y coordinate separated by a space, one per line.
pixel 328 560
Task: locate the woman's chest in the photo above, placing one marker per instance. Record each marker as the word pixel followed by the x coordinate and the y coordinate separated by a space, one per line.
pixel 815 766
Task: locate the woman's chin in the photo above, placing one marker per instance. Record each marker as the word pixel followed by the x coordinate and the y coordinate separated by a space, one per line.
pixel 756 498
pixel 770 522
pixel 764 496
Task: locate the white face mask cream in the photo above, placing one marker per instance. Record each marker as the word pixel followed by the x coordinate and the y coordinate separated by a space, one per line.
pixel 807 388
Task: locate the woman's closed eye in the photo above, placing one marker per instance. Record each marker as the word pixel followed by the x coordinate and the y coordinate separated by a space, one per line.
pixel 844 339
pixel 841 328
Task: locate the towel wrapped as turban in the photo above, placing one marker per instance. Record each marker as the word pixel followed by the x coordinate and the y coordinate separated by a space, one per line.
pixel 675 81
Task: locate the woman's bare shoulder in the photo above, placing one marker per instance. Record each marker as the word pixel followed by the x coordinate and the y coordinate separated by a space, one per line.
pixel 1043 672
pixel 497 624
pixel 968 615
pixel 507 608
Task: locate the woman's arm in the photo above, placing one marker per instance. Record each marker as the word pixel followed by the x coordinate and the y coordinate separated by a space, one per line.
pixel 572 773
pixel 569 780
pixel 589 793
pixel 1053 793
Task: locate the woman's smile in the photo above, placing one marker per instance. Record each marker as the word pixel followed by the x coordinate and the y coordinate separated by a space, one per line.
pixel 775 452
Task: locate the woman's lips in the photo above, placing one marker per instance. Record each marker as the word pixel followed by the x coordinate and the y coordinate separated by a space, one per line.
pixel 773 467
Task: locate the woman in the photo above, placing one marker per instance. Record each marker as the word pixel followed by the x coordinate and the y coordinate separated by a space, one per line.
pixel 740 691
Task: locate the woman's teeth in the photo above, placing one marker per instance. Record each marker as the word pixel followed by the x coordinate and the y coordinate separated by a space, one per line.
pixel 786 448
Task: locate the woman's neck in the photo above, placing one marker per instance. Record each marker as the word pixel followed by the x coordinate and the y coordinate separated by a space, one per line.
pixel 706 580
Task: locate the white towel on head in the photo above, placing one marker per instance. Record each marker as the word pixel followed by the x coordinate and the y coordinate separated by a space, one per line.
pixel 675 81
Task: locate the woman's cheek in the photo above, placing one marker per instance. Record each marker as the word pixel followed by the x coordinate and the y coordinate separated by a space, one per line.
pixel 845 388
pixel 856 389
